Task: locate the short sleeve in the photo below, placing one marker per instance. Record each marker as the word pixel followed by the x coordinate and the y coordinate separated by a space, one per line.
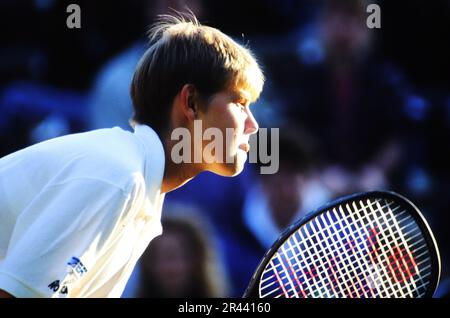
pixel 65 227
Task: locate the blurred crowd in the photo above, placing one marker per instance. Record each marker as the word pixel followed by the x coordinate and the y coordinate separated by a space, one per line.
pixel 358 109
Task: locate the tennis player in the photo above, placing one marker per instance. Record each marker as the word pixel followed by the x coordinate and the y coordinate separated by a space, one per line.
pixel 76 212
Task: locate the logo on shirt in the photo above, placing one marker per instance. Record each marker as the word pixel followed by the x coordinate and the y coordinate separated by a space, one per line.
pixel 75 270
pixel 76 267
pixel 55 287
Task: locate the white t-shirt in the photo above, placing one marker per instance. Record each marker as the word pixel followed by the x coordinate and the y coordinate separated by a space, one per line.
pixel 76 212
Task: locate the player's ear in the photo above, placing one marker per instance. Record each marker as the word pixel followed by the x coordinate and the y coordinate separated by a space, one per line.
pixel 189 101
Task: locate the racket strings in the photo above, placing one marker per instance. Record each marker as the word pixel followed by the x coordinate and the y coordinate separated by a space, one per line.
pixel 346 270
pixel 354 288
pixel 316 234
pixel 359 282
pixel 358 258
pixel 402 247
pixel 372 250
pixel 395 233
pixel 321 228
pixel 286 292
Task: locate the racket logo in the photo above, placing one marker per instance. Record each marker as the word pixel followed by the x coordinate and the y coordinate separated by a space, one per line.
pixel 402 265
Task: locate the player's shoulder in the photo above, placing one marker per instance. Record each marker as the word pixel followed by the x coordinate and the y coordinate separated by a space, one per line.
pixel 108 155
pixel 112 155
pixel 114 143
pixel 115 149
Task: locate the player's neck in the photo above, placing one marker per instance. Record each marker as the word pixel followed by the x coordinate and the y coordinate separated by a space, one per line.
pixel 174 178
pixel 176 174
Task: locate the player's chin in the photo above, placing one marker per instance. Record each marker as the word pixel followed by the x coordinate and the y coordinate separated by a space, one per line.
pixel 232 169
pixel 237 169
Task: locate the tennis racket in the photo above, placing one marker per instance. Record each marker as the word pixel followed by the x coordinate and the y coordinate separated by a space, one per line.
pixel 367 245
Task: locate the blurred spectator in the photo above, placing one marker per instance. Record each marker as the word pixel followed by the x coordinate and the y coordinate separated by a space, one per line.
pixel 183 262
pixel 340 95
pixel 374 174
pixel 30 113
pixel 110 101
pixel 336 87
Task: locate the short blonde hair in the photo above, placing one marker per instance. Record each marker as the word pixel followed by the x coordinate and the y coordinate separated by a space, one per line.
pixel 182 51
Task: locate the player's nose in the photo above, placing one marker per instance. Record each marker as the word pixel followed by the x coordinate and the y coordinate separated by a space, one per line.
pixel 251 125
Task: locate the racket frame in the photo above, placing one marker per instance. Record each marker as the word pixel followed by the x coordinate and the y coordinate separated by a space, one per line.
pixel 252 290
